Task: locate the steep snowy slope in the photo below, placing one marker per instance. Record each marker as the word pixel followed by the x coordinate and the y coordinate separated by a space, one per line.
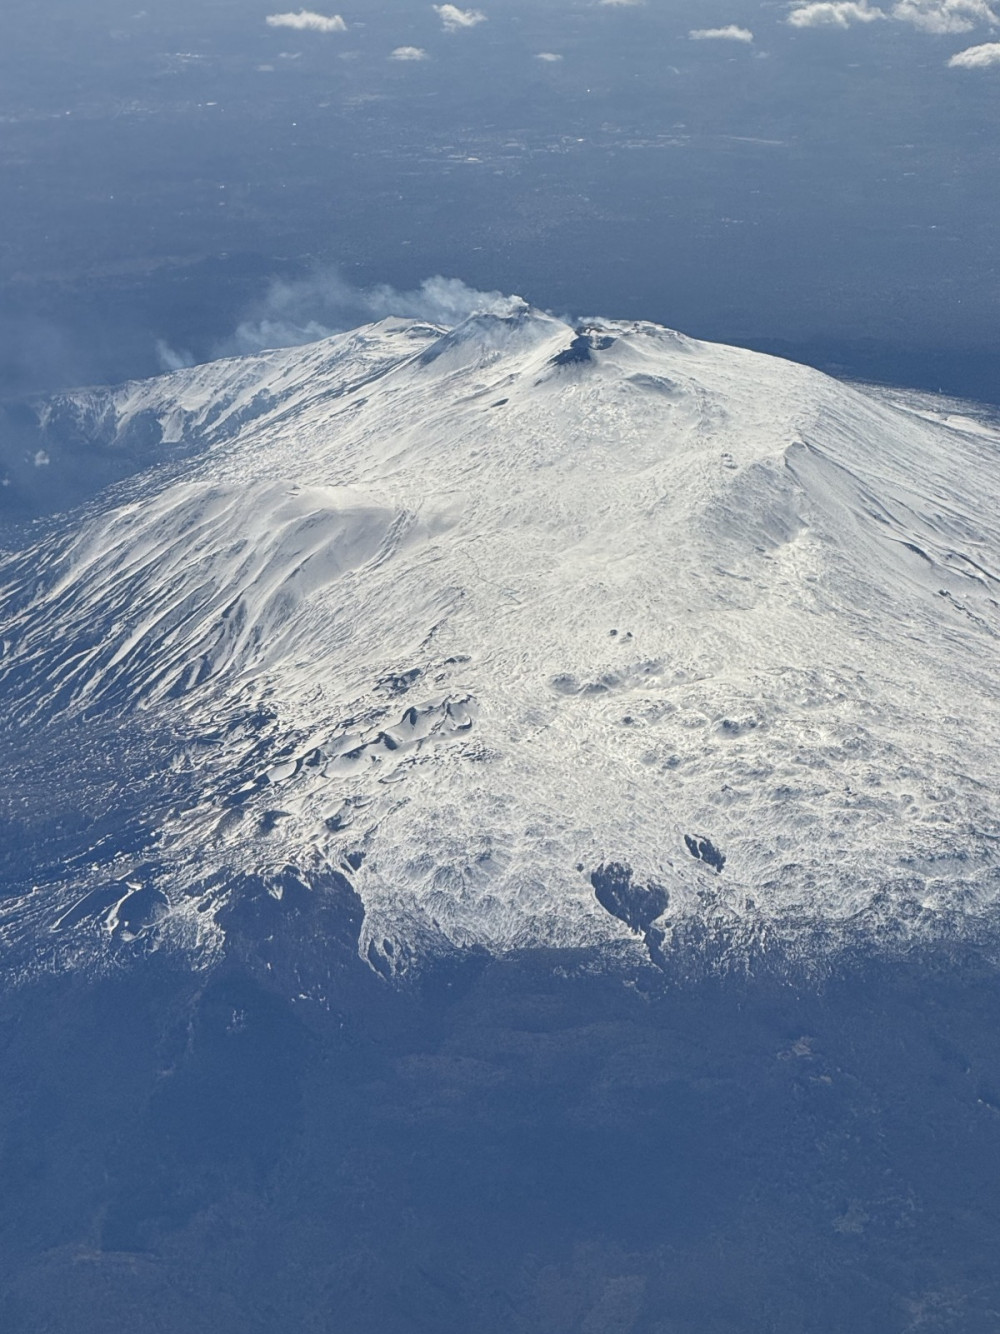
pixel 536 635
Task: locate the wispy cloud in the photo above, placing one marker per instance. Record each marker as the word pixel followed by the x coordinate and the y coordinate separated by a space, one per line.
pixel 291 313
pixel 172 358
pixel 306 21
pixel 455 19
pixel 622 4
pixel 728 34
pixel 550 57
pixel 944 16
pixel 932 16
pixel 834 14
pixel 977 57
pixel 408 53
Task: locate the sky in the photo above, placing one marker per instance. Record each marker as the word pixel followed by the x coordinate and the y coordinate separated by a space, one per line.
pixel 818 179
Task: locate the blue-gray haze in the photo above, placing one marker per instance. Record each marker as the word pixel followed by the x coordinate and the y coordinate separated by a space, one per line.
pixel 828 190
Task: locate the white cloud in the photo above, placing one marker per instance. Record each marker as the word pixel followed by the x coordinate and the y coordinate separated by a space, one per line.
pixel 834 13
pixel 728 34
pixel 933 16
pixel 977 57
pixel 622 4
pixel 945 16
pixel 408 53
pixel 455 19
pixel 291 313
pixel 306 21
pixel 550 57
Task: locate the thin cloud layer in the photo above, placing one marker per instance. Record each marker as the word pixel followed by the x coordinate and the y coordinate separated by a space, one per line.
pixel 307 21
pixel 977 57
pixel 728 34
pixel 455 19
pixel 834 14
pixel 550 57
pixel 408 53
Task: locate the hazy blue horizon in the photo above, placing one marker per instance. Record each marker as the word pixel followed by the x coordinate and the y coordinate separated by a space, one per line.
pixel 826 190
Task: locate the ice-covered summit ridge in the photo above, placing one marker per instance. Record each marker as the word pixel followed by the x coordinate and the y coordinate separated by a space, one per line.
pixel 469 616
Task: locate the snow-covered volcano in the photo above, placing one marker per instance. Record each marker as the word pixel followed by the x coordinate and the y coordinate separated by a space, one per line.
pixel 537 635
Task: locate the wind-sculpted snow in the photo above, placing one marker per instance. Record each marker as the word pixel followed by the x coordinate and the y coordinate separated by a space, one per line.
pixel 535 635
pixel 207 579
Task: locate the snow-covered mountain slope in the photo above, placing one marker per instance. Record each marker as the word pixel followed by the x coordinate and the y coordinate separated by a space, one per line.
pixel 537 635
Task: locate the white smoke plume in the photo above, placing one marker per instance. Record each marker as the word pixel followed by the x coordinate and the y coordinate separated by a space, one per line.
pixel 172 358
pixel 302 311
